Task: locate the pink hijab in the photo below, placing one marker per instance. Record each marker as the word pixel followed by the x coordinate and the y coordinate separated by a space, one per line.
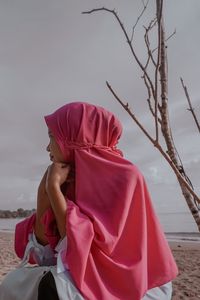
pixel 116 247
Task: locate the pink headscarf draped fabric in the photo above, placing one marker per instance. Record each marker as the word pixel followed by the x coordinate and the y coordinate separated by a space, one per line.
pixel 116 247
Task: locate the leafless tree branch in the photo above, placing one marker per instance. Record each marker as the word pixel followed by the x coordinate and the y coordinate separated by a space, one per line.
pixel 147 43
pixel 126 107
pixel 127 39
pixel 149 98
pixel 158 65
pixel 169 37
pixel 140 16
pixel 191 109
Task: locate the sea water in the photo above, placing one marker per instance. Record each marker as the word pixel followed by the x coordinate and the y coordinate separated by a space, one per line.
pixel 177 226
pixel 9 224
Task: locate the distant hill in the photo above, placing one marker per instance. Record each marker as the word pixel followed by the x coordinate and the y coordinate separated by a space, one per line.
pixel 19 213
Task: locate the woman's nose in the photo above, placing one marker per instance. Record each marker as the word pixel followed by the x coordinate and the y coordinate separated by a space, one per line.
pixel 48 149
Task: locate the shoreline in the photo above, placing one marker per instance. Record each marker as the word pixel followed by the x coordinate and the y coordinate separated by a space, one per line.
pixel 184 245
pixel 173 238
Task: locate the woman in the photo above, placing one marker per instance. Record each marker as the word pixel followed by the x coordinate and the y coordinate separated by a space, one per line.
pixel 95 226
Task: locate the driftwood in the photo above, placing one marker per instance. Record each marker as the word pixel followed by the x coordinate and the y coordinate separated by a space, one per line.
pixel 157 90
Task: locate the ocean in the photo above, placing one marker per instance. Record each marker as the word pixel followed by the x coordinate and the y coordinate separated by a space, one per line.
pixel 178 222
pixel 8 224
pixel 177 226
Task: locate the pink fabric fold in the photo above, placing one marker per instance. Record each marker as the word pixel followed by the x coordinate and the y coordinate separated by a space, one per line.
pixel 116 246
pixel 26 227
pixel 22 231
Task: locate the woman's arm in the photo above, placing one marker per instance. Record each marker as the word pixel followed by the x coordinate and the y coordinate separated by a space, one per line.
pixel 43 204
pixel 47 213
pixel 57 174
pixel 25 228
pixel 59 207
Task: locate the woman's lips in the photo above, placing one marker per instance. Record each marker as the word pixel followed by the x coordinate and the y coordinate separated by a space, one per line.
pixel 51 157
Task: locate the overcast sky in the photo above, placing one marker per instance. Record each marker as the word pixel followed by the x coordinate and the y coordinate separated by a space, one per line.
pixel 51 54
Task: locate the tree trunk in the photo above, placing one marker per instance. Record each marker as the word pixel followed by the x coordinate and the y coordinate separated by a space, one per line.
pixel 165 124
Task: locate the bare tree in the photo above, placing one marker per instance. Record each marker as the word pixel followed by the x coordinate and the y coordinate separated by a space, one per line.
pixel 157 89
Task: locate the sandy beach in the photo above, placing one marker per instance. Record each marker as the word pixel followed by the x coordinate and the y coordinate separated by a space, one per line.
pixel 187 284
pixel 187 254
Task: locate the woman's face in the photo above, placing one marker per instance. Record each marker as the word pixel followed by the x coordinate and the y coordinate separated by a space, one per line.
pixel 54 149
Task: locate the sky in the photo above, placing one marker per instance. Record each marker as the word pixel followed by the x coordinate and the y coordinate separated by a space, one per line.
pixel 52 54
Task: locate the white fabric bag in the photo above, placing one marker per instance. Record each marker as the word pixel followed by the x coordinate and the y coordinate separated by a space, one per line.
pixel 22 283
